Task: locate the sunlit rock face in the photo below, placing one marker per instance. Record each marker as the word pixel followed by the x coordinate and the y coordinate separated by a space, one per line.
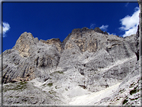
pixel 23 44
pixel 28 58
pixel 89 67
pixel 55 42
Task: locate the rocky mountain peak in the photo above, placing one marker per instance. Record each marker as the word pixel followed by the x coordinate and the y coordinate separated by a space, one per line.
pixel 80 30
pixel 51 41
pixel 97 29
pixel 25 36
pixel 24 43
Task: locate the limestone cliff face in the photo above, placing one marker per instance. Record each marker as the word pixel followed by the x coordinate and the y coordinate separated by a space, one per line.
pixel 55 42
pixel 87 61
pixel 28 56
pixel 23 44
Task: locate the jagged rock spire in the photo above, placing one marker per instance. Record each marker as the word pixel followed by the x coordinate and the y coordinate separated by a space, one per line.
pixel 97 29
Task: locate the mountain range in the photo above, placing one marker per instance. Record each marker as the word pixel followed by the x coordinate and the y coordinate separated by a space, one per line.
pixel 90 67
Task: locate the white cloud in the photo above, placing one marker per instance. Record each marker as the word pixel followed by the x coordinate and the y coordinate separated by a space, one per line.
pixel 130 23
pixel 104 27
pixel 92 26
pixel 5 28
pixel 111 33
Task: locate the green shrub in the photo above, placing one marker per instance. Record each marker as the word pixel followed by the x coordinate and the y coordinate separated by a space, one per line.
pixel 133 91
pixel 18 86
pixel 125 101
pixel 52 92
pixel 57 72
pixel 50 84
pixel 56 87
pixel 122 90
pixel 131 85
pixel 60 72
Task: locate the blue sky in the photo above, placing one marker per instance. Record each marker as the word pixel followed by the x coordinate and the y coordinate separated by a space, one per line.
pixel 56 20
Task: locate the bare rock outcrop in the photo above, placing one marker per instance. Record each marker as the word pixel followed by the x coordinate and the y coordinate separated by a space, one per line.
pixel 97 29
pixel 23 44
pixel 28 56
pixel 55 42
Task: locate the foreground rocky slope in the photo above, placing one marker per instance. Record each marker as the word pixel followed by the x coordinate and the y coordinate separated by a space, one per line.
pixel 89 67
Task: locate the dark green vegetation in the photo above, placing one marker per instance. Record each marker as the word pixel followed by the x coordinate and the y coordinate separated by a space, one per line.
pixel 131 85
pixel 83 86
pixel 125 101
pixel 133 91
pixel 19 86
pixel 56 72
pixel 60 72
pixel 50 84
pixel 52 92
pixel 122 90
